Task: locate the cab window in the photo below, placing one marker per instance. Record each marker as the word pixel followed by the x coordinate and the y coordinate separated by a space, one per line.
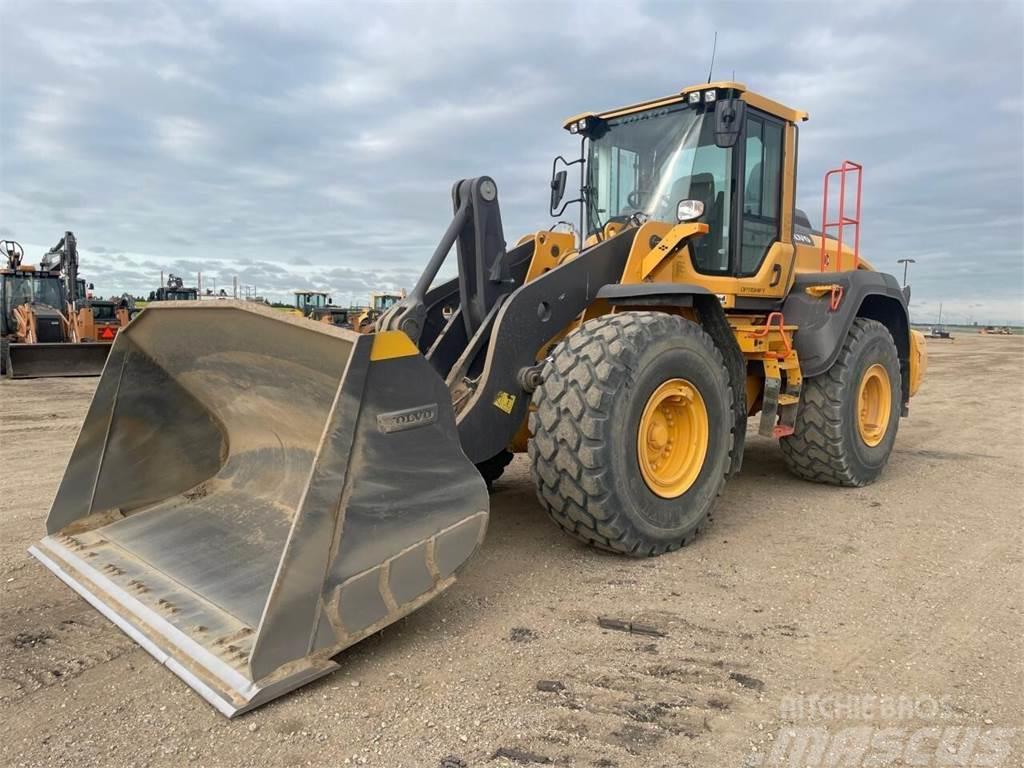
pixel 647 162
pixel 762 183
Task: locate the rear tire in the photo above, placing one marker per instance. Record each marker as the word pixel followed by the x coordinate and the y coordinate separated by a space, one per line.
pixel 597 386
pixel 828 444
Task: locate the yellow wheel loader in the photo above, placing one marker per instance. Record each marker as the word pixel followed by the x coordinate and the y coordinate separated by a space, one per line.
pixel 246 503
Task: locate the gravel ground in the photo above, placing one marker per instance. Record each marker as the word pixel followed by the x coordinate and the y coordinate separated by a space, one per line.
pixel 909 590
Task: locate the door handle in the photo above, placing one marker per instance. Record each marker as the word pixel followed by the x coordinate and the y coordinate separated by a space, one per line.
pixel 776 275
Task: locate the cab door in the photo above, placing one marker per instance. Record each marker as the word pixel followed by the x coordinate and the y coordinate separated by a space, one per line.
pixel 761 257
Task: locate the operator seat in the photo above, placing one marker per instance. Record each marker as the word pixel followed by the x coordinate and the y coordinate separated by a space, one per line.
pixel 706 250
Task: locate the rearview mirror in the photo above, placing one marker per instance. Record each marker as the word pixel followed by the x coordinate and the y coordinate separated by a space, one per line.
pixel 728 121
pixel 558 188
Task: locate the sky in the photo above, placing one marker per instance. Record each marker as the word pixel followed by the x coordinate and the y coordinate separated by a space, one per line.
pixel 313 145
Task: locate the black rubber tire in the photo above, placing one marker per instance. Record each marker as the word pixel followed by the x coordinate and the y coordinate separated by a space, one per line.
pixel 826 446
pixel 583 445
pixel 494 467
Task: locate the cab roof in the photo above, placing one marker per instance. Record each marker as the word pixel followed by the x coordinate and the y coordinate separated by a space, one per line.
pixel 753 99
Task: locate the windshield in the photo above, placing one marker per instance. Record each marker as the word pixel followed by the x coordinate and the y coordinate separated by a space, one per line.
pixel 384 301
pixel 646 162
pixel 30 287
pixel 102 310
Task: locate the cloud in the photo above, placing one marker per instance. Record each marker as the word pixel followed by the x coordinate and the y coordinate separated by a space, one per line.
pixel 309 144
pixel 182 137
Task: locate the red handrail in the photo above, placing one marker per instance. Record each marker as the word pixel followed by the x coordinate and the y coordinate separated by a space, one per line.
pixel 848 166
pixel 780 322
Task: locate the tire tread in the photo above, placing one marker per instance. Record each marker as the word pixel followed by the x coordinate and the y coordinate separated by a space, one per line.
pixel 816 451
pixel 584 373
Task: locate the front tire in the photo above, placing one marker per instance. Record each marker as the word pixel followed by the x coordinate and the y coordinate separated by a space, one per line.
pixel 848 418
pixel 595 443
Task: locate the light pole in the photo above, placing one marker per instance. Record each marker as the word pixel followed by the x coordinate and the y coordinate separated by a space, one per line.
pixel 906 263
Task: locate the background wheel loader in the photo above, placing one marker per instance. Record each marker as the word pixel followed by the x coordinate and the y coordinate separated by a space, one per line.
pixel 47 325
pixel 380 302
pixel 296 487
pixel 318 305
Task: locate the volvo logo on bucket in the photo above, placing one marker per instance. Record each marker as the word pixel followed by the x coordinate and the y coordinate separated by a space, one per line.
pixel 410 418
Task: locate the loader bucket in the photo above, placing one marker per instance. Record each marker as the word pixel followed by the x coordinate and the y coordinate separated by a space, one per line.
pixel 253 492
pixel 35 361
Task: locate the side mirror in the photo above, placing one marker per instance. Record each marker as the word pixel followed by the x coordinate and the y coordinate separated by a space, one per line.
pixel 558 181
pixel 689 210
pixel 728 121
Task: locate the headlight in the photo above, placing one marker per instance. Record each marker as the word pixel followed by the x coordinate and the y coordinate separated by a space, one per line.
pixel 688 210
pixel 582 124
pixel 709 96
pixel 574 128
pixel 695 97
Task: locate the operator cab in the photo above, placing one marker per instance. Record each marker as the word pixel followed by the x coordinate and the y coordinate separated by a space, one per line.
pixel 31 287
pixel 714 153
pixel 307 301
pixel 103 311
pixel 383 301
pixel 176 294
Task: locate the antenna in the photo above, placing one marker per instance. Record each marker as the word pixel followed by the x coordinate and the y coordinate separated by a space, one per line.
pixel 714 47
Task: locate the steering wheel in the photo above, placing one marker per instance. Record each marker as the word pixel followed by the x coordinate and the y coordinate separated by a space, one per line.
pixel 633 199
pixel 636 218
pixel 622 218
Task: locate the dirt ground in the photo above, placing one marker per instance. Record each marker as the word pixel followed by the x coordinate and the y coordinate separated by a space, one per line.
pixel 908 590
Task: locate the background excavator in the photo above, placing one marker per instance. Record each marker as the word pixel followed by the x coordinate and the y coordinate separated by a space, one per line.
pixel 296 487
pixel 49 326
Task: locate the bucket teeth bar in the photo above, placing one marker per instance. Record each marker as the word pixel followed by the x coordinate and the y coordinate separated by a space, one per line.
pixel 293 488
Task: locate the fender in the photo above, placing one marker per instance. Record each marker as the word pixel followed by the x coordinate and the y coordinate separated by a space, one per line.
pixel 652 294
pixel 821 331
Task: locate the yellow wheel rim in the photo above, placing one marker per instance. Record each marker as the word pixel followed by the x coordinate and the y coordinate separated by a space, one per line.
pixel 874 404
pixel 673 438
